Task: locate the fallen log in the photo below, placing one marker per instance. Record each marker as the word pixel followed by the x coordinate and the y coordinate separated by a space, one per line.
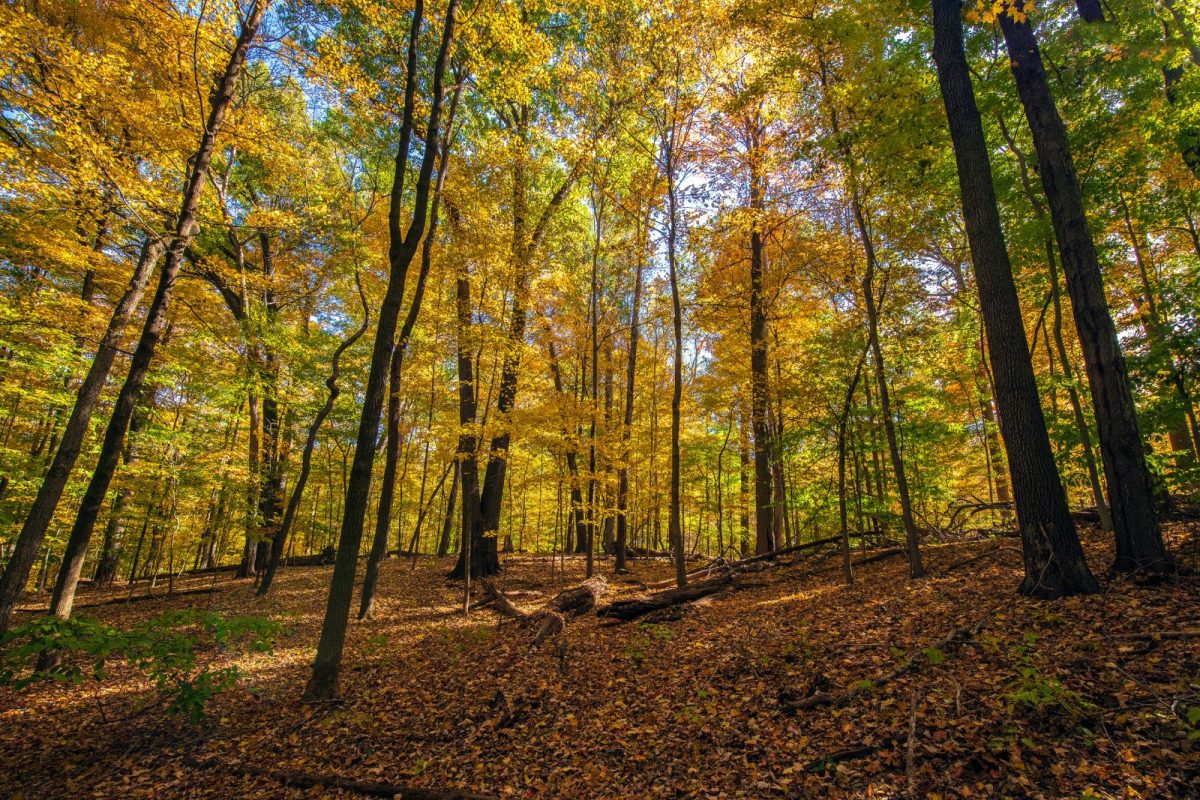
pixel 880 556
pixel 757 563
pixel 785 550
pixel 580 599
pixel 116 601
pixel 646 552
pixel 551 618
pixel 626 610
pixel 494 597
pixel 305 780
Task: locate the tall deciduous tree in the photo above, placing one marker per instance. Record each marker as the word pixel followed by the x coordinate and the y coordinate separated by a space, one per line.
pixel 402 248
pixel 1139 539
pixel 1054 561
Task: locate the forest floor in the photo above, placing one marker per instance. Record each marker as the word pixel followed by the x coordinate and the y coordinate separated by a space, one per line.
pixel 950 686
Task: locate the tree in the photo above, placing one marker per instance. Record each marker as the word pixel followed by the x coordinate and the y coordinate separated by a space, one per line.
pixel 1054 561
pixel 1139 539
pixel 156 318
pixel 403 247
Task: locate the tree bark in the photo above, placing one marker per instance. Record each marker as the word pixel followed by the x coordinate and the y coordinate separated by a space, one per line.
pixel 323 685
pixel 33 531
pixel 1054 561
pixel 1131 491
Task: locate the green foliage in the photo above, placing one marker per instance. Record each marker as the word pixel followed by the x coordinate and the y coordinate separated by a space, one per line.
pixel 1033 692
pixel 164 649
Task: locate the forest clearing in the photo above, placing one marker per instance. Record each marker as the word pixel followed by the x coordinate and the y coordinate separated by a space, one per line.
pixel 599 398
pixel 790 684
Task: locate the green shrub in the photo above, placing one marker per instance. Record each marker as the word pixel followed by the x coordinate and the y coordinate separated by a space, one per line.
pixel 164 649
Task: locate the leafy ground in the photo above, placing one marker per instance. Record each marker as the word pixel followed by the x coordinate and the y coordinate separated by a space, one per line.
pixel 947 687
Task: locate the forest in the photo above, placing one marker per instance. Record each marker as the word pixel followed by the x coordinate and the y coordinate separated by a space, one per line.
pixel 441 399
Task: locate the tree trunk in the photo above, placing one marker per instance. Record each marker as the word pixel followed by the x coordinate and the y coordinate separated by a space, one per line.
pixel 253 486
pixel 912 537
pixel 1139 540
pixel 675 512
pixel 289 515
pixel 1081 426
pixel 1054 561
pixel 484 550
pixel 443 548
pixel 764 538
pixel 847 404
pixel 379 545
pixel 1090 10
pixel 323 685
pixel 156 317
pixel 33 531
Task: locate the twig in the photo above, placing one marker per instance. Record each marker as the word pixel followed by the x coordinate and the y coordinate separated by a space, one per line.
pixel 306 780
pixel 911 747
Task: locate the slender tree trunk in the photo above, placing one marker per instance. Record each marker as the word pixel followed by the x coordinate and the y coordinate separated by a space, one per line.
pixel 674 520
pixel 253 486
pixel 627 426
pixel 443 548
pixel 33 531
pixel 525 243
pixel 847 404
pixel 310 443
pixel 912 536
pixel 323 685
pixel 156 318
pixel 1139 539
pixel 1184 434
pixel 1054 561
pixel 1188 138
pixel 744 479
pixel 379 545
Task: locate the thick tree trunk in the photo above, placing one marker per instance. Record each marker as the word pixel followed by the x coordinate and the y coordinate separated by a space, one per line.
pixel 1139 540
pixel 1090 10
pixel 1085 437
pixel 764 532
pixel 1054 561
